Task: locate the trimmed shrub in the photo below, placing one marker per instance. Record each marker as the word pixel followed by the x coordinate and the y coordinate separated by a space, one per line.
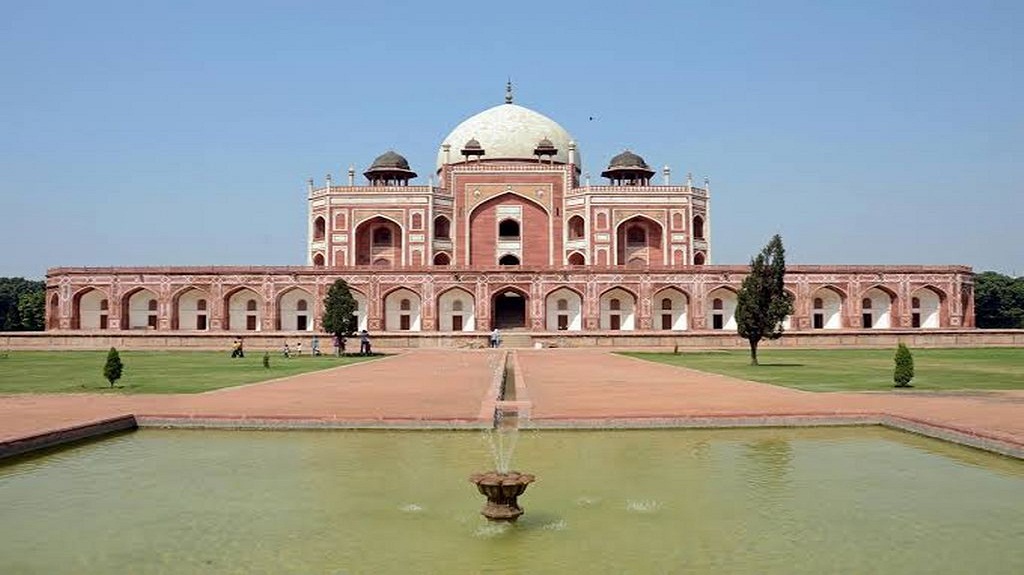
pixel 113 369
pixel 904 371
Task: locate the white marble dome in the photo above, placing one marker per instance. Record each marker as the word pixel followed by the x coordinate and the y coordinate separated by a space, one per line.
pixel 508 132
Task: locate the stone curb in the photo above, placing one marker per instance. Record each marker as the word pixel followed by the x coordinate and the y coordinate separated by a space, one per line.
pixel 66 435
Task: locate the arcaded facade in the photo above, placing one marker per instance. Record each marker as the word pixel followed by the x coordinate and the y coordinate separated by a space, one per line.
pixel 509 232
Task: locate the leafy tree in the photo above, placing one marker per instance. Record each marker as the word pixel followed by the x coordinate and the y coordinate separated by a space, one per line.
pixel 998 301
pixel 32 310
pixel 763 304
pixel 339 310
pixel 113 369
pixel 11 290
pixel 904 371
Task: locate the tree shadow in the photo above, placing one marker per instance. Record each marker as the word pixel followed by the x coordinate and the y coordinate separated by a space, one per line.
pixel 780 365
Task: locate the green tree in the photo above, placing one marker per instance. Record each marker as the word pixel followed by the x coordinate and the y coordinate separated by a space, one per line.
pixel 11 290
pixel 763 304
pixel 339 310
pixel 113 369
pixel 998 301
pixel 32 310
pixel 904 371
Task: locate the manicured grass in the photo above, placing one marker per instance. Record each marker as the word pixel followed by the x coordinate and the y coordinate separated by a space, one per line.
pixel 148 371
pixel 861 369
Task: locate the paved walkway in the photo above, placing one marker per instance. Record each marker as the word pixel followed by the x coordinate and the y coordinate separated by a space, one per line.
pixel 439 386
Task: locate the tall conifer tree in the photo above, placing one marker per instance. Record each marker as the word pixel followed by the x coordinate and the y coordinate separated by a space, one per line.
pixel 763 303
pixel 339 307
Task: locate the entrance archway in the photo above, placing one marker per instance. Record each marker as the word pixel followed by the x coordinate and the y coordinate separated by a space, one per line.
pixel 508 309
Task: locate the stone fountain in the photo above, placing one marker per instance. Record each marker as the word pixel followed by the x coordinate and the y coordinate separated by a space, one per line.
pixel 503 487
pixel 502 491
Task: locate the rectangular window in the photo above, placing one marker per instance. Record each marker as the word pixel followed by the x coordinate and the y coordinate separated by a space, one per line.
pixel 151 322
pixel 563 322
pixel 250 323
pixel 865 320
pixel 300 323
pixel 201 322
pixel 615 322
pixel 716 321
pixel 403 322
pixel 103 321
pixel 915 320
pixel 819 321
pixel 456 323
pixel 666 321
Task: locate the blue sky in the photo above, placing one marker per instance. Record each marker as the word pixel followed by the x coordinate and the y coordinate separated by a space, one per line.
pixel 181 133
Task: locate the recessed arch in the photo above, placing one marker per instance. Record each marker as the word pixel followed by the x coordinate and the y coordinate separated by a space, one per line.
pixel 90 309
pixel 442 228
pixel 698 227
pixel 402 310
pixel 577 259
pixel 456 310
pixel 563 309
pixel 878 314
pixel 671 309
pixel 318 260
pixel 442 259
pixel 319 229
pixel 618 309
pixel 926 308
pixel 509 228
pixel 379 241
pixel 509 308
pixel 504 196
pixel 139 309
pixel 640 241
pixel 698 259
pixel 827 303
pixel 237 313
pixel 53 311
pixel 190 309
pixel 509 260
pixel 721 308
pixel 294 309
pixel 576 228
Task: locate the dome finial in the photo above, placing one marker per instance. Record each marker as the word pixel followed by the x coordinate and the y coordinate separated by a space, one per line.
pixel 508 91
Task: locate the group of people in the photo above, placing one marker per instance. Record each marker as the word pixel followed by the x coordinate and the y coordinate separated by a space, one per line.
pixel 238 349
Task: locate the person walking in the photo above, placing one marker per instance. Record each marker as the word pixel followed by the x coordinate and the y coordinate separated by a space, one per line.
pixel 298 348
pixel 287 352
pixel 314 346
pixel 236 348
pixel 495 338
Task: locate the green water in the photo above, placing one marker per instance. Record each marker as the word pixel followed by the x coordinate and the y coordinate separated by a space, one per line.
pixel 852 500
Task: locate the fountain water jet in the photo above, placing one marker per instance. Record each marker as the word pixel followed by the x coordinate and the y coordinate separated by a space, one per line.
pixel 502 486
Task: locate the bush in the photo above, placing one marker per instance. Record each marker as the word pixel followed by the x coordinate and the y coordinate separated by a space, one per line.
pixel 904 371
pixel 113 369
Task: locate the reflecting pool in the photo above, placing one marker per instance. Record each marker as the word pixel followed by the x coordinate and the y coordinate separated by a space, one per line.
pixel 818 500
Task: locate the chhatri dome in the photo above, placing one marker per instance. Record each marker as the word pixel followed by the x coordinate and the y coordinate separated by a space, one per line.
pixel 508 132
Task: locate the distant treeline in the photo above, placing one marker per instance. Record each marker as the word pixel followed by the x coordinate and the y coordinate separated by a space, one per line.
pixel 998 301
pixel 22 304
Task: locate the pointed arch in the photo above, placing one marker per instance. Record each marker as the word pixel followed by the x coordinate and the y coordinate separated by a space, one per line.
pixel 456 310
pixel 402 308
pixel 295 309
pixel 927 307
pixel 442 228
pixel 319 229
pixel 575 228
pixel 827 304
pixel 639 238
pixel 239 312
pixel 720 308
pixel 510 307
pixel 318 260
pixel 90 309
pixel 878 305
pixel 618 309
pixel 671 309
pixel 139 309
pixel 190 309
pixel 577 259
pixel 563 309
pixel 380 241
pixel 53 311
pixel 442 259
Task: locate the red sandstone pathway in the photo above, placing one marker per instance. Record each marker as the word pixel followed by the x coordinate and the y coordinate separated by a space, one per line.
pixel 596 384
pixel 431 385
pixel 561 385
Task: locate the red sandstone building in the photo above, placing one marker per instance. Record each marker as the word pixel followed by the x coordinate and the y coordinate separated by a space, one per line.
pixel 509 235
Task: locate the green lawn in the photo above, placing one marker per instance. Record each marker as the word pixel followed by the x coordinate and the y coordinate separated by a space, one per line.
pixel 860 369
pixel 148 371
